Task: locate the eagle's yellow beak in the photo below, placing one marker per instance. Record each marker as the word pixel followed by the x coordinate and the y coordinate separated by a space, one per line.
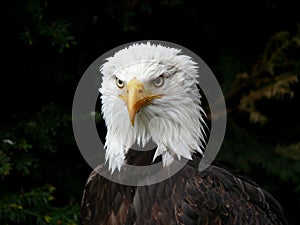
pixel 137 97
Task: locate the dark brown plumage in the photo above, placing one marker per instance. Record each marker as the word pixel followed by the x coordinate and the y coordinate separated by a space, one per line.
pixel 190 197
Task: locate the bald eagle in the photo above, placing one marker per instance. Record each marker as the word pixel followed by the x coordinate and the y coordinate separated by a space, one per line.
pixel 150 92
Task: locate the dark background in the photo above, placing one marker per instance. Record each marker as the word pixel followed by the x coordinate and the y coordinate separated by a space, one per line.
pixel 47 45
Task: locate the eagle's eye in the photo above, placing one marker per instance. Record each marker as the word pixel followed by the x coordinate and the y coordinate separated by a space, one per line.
pixel 119 83
pixel 158 82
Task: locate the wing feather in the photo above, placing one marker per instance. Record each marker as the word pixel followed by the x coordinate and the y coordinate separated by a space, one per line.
pixel 105 202
pixel 190 197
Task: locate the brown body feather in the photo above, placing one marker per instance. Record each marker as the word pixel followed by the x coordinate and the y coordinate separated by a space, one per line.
pixel 213 197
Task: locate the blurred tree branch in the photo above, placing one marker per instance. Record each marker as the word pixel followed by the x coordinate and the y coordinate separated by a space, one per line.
pixel 272 77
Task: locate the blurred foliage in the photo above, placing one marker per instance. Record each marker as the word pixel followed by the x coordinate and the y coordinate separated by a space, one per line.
pixel 34 207
pixel 291 151
pixel 25 151
pixel 262 139
pixel 36 176
pixel 272 77
pixel 56 31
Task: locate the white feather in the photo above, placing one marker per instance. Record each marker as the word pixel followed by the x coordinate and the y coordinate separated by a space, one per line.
pixel 174 122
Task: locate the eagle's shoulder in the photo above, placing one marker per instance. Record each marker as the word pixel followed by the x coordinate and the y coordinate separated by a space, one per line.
pixel 211 196
pixel 235 199
pixel 105 202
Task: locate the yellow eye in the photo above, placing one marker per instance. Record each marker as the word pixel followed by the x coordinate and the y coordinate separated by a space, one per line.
pixel 158 82
pixel 119 83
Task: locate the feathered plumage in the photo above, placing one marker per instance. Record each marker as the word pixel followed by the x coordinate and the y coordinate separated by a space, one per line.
pixel 190 197
pixel 149 92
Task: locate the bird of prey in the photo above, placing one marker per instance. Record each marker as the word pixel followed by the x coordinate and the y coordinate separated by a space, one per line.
pixel 150 92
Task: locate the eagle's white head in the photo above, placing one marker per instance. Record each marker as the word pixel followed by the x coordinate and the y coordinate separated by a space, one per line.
pixel 150 92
